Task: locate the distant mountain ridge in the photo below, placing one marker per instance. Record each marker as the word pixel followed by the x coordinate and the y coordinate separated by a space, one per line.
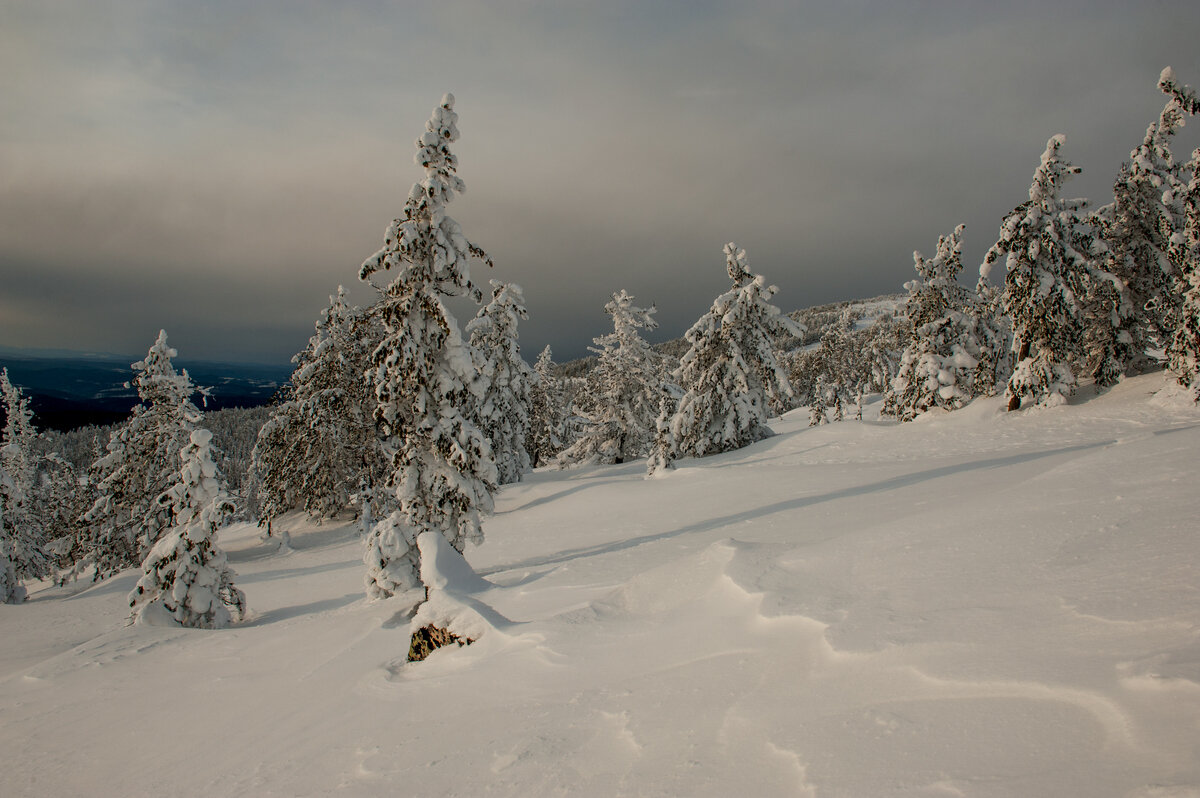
pixel 71 389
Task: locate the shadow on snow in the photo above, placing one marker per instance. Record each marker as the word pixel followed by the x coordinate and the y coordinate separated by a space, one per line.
pixel 312 608
pixel 708 525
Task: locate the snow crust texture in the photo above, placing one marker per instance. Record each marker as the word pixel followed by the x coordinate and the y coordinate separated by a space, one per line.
pixel 976 603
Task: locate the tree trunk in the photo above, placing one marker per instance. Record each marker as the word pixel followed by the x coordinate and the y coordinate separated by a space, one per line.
pixel 1014 401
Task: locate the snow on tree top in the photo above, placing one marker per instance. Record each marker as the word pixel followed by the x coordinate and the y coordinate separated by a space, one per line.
pixel 735 263
pixel 160 349
pixel 1051 172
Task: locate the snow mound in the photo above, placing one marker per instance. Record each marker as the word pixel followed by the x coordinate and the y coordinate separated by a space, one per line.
pixel 1174 396
pixel 456 602
pixel 445 569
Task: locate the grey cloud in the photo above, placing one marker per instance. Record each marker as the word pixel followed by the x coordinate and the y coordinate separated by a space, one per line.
pixel 224 150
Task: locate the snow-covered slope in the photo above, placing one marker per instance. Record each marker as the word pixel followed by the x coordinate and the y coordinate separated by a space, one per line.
pixel 976 603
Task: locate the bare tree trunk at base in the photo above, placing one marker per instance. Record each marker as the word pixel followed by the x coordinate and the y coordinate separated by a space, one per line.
pixel 1014 401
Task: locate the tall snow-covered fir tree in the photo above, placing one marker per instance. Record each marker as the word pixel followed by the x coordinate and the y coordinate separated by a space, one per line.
pixel 275 464
pixel 1046 274
pixel 1138 229
pixel 443 475
pixel 731 372
pixel 22 554
pixel 11 589
pixel 60 500
pixel 838 356
pixel 235 432
pixel 186 571
pixel 546 411
pixel 18 434
pixel 1183 354
pixel 320 445
pixel 663 449
pixel 503 411
pixel 822 397
pixel 625 385
pixel 949 338
pixel 140 463
pixel 996 357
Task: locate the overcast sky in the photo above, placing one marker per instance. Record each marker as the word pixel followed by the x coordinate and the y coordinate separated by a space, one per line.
pixel 218 168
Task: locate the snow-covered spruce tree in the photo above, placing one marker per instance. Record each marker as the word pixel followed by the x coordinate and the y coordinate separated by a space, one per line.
pixel 1183 355
pixel 802 375
pixel 577 403
pixel 949 337
pixel 880 347
pixel 235 433
pixel 18 435
pixel 731 371
pixel 995 354
pixel 664 449
pixel 546 411
pixel 1137 229
pixel 625 385
pixel 275 463
pixel 503 411
pixel 185 570
pixel 1043 286
pixel 67 489
pixel 850 361
pixel 11 589
pixel 818 412
pixel 21 529
pixel 319 444
pixel 837 371
pixel 60 500
pixel 140 463
pixel 841 370
pixel 443 475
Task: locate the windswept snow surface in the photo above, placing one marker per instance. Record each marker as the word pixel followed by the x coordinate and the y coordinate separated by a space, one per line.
pixel 973 604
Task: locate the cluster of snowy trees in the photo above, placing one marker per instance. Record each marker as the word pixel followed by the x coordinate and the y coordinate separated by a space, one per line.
pixel 1097 293
pixel 617 423
pixel 396 413
pixel 849 359
pixel 397 410
pixel 317 450
pixel 731 377
pixel 152 498
pixel 955 342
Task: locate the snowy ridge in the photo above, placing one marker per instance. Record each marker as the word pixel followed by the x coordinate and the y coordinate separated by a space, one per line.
pixel 976 603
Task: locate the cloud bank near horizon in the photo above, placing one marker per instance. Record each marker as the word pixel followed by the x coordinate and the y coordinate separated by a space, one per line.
pixel 218 169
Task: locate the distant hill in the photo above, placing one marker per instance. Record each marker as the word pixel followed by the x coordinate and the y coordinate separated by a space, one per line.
pixel 73 389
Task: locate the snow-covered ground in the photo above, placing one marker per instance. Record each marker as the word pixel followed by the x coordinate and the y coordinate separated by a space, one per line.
pixel 973 604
